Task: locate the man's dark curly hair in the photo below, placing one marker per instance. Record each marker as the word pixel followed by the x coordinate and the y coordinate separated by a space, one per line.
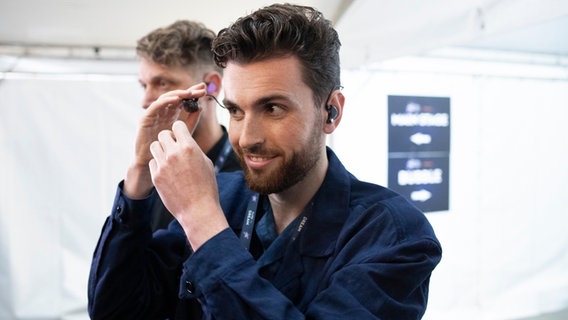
pixel 182 44
pixel 283 30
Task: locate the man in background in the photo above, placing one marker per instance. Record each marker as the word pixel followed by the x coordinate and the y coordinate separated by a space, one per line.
pixel 179 56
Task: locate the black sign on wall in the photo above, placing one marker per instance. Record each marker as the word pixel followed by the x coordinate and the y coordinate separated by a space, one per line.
pixel 419 150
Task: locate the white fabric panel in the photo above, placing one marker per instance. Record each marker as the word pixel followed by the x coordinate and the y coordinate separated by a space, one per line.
pixel 65 143
pixel 504 238
pixel 372 31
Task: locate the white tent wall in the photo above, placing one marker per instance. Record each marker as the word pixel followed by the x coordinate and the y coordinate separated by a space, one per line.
pixel 372 31
pixel 504 237
pixel 66 140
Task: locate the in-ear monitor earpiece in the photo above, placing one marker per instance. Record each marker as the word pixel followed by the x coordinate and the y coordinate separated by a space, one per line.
pixel 332 113
pixel 191 105
pixel 211 87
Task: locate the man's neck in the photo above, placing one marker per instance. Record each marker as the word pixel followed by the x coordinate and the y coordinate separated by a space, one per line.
pixel 288 205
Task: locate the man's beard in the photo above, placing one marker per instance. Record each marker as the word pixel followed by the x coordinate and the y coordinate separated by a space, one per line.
pixel 292 171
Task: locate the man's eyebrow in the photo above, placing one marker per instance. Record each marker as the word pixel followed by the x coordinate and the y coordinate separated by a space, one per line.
pixel 151 80
pixel 160 77
pixel 258 102
pixel 274 97
pixel 229 104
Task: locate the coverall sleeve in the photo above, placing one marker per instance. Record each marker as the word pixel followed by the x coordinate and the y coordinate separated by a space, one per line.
pixel 134 275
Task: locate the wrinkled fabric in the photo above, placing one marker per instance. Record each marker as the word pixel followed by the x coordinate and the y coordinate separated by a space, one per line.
pixel 364 253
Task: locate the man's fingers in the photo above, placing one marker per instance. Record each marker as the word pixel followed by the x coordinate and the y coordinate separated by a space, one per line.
pixel 167 140
pixel 153 166
pixel 164 102
pixel 173 99
pixel 166 136
pixel 181 132
pixel 157 152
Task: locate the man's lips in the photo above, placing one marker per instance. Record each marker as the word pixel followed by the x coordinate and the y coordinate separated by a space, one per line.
pixel 257 161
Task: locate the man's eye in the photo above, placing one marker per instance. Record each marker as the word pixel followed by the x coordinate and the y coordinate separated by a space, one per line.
pixel 274 109
pixel 235 113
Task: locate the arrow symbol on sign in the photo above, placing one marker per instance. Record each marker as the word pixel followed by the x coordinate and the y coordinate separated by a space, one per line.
pixel 420 195
pixel 420 138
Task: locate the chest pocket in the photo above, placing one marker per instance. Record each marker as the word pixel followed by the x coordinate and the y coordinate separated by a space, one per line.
pixel 301 277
